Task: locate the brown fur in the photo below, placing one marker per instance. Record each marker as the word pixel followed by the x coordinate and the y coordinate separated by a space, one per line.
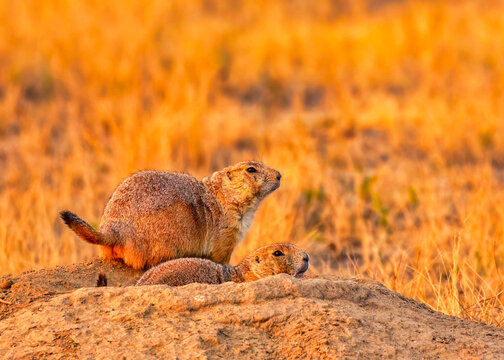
pixel 259 264
pixel 156 216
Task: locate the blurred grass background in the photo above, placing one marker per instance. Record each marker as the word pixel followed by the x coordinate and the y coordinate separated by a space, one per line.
pixel 386 119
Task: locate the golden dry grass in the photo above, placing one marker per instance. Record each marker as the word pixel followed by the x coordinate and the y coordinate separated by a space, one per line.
pixel 386 119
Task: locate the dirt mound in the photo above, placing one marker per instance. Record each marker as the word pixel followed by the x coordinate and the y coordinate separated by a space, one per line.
pixel 278 317
pixel 42 285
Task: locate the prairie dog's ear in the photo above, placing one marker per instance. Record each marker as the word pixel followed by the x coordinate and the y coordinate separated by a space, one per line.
pixel 229 175
pixel 257 259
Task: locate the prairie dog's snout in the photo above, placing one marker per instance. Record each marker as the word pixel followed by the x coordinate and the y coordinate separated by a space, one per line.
pixel 305 264
pixel 274 179
pixel 304 267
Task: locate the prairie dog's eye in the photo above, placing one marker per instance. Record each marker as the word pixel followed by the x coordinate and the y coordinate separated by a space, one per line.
pixel 278 253
pixel 251 169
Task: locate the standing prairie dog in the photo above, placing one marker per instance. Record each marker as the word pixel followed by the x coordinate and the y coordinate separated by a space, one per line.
pixel 266 261
pixel 156 216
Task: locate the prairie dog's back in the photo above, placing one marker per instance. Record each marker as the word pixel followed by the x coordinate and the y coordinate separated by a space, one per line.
pixel 184 271
pixel 151 191
pixel 159 216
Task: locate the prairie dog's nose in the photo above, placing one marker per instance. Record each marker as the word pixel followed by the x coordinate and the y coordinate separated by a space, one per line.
pixel 279 176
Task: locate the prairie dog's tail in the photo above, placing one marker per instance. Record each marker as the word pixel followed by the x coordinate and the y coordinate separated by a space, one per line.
pixel 85 231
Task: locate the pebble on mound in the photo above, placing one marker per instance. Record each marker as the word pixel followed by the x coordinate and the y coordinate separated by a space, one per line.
pixel 156 216
pixel 265 261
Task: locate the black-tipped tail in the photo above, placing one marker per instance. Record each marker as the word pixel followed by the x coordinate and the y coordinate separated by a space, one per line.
pixel 69 217
pixel 85 231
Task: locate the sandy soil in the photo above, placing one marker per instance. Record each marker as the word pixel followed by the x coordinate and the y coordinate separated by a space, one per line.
pixel 60 314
